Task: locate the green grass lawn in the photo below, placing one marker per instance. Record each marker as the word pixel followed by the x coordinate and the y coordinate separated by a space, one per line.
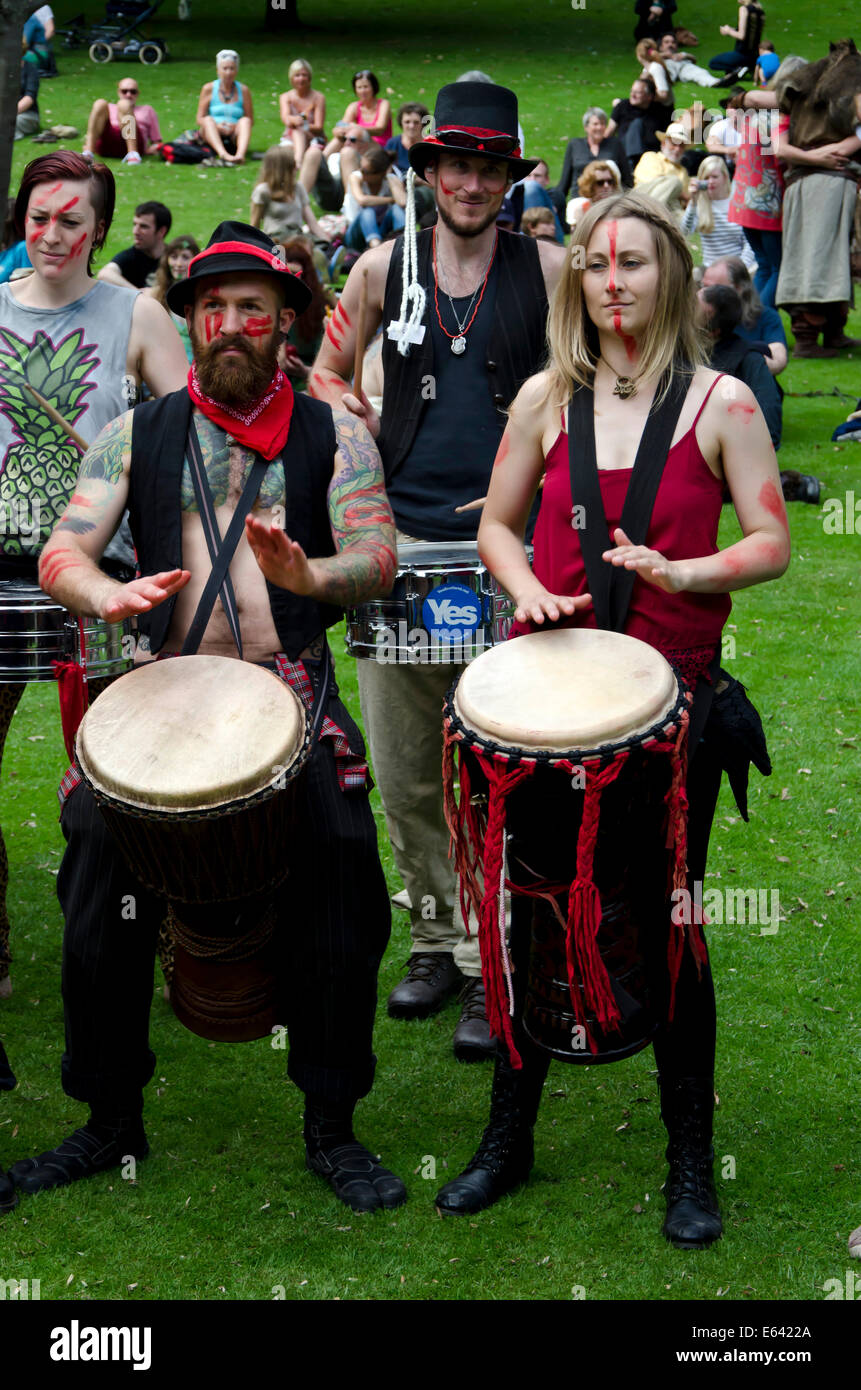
pixel 223 1208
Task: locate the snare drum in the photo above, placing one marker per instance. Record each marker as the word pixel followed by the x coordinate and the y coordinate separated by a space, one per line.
pixel 572 760
pixel 196 763
pixel 35 632
pixel 445 608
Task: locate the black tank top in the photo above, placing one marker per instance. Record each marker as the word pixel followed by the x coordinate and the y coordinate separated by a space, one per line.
pixel 453 451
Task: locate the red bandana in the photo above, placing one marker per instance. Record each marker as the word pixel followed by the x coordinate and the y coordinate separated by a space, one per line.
pixel 263 426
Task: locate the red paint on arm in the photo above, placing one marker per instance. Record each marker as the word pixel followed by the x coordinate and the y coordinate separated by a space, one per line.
pixel 340 310
pixel 732 564
pixel 772 500
pixel 333 337
pixel 80 501
pixel 502 451
pixel 258 327
pixel 55 565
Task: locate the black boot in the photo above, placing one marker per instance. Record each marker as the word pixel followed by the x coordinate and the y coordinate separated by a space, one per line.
pixel 7 1076
pixel 8 1195
pixel 693 1218
pixel 505 1155
pixel 354 1175
pixel 104 1142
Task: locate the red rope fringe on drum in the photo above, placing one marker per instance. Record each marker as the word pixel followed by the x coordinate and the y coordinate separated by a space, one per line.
pixel 465 829
pixel 73 693
pixel 585 912
pixel 500 782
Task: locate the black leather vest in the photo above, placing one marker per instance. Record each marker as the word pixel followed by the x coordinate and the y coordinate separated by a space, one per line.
pixel 516 348
pixel 159 429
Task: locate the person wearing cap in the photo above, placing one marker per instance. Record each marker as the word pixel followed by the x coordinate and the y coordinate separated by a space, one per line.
pixel 324 475
pixel 661 173
pixel 460 330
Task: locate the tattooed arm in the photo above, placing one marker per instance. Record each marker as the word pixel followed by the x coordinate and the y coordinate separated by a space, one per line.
pixel 68 567
pixel 363 529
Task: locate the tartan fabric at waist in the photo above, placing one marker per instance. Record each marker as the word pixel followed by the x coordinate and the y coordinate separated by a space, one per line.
pixel 351 768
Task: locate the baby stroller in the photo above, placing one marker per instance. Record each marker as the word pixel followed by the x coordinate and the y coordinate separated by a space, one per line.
pixel 118 35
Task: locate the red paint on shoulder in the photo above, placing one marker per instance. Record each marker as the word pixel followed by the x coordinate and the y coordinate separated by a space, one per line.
pixel 739 408
pixel 772 500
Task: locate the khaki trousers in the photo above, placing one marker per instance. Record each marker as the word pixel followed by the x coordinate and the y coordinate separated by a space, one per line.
pixel 402 714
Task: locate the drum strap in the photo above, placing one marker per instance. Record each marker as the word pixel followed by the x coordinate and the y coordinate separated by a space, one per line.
pixel 611 587
pixel 221 552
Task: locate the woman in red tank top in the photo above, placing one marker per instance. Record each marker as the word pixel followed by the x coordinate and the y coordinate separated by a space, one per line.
pixel 623 323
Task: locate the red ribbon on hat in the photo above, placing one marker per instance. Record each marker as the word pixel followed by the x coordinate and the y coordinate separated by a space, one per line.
pixel 480 132
pixel 244 248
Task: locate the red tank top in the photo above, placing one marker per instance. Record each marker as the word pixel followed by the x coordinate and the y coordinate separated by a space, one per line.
pixel 685 627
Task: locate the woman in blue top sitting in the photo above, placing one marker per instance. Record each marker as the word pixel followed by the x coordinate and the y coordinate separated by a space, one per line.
pixel 225 113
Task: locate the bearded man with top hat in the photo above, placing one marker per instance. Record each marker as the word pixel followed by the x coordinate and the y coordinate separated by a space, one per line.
pixel 463 307
pixel 319 536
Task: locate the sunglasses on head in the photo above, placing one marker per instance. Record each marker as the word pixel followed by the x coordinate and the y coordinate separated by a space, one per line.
pixel 489 144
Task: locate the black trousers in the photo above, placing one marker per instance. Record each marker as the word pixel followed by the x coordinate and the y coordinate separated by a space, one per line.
pixel 334 921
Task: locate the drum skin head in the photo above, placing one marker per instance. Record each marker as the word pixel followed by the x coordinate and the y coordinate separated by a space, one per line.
pixel 573 688
pixel 191 733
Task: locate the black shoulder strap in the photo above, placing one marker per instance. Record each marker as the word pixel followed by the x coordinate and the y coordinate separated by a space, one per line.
pixel 221 552
pixel 609 585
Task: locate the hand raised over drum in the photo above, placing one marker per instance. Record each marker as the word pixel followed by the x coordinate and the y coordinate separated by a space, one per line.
pixel 143 594
pixel 651 565
pixel 536 603
pixel 282 561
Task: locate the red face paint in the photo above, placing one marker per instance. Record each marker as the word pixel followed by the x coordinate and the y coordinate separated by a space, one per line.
pixel 449 192
pixel 744 411
pixel 611 237
pixel 258 327
pixel 771 499
pixel 212 326
pixel 43 197
pixel 78 246
pixel 70 204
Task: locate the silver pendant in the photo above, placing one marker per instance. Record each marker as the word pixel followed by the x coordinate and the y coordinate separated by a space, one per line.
pixel 458 345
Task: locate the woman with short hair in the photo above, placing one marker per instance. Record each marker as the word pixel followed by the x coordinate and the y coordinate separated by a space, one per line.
pixel 595 143
pixel 302 110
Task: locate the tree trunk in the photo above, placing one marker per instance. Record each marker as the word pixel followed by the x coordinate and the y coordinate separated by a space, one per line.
pixel 281 14
pixel 13 15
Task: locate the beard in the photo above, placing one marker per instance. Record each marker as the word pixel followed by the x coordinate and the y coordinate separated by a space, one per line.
pixel 474 229
pixel 235 381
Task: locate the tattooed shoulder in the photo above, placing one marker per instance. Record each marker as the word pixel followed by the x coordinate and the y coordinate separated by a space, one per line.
pixel 110 452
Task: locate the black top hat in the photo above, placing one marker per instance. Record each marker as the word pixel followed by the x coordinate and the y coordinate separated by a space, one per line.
pixel 474 118
pixel 234 246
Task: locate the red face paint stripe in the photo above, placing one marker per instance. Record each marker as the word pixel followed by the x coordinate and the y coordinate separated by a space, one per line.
pixel 43 197
pixel 257 327
pixel 448 191
pixel 70 204
pixel 79 245
pixel 611 236
pixel 212 325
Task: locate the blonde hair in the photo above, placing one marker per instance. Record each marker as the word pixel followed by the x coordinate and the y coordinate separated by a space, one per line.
pixel 299 65
pixel 705 214
pixel 673 342
pixel 586 181
pixel 227 55
pixel 279 171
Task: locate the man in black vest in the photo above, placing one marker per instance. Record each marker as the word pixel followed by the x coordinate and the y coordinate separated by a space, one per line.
pixel 463 323
pixel 321 482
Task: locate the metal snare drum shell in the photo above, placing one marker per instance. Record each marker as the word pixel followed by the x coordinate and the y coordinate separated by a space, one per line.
pixel 35 631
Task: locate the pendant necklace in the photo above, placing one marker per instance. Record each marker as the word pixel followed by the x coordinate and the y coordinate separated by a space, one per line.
pixel 626 386
pixel 458 340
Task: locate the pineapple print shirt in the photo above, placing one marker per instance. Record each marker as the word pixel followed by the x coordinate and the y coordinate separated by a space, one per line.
pixel 75 357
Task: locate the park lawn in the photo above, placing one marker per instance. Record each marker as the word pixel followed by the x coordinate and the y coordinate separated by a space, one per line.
pixel 224 1208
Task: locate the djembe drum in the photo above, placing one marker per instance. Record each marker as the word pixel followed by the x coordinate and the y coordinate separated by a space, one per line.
pixel 572 751
pixel 196 764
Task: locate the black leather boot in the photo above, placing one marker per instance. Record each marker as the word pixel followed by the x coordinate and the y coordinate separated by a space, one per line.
pixel 353 1173
pixel 103 1142
pixel 505 1155
pixel 693 1218
pixel 8 1195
